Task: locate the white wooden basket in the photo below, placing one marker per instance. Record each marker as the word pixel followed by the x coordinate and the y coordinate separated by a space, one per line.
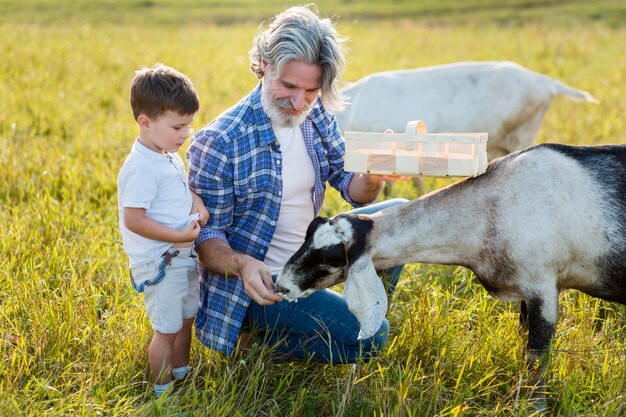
pixel 416 152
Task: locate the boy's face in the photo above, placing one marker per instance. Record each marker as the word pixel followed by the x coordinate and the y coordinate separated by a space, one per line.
pixel 166 133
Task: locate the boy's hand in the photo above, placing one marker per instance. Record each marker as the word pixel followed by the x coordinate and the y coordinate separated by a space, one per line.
pixel 190 232
pixel 198 207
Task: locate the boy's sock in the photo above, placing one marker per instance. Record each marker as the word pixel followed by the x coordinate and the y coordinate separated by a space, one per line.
pixel 159 389
pixel 181 372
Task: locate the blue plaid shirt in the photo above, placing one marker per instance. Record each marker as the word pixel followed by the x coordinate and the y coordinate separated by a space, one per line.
pixel 235 167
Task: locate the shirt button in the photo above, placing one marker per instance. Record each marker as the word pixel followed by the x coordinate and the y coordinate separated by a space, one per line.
pixel 262 251
pixel 280 193
pixel 249 190
pixel 278 162
pixel 273 223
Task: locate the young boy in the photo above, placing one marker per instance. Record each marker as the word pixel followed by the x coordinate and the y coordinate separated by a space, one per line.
pixel 160 217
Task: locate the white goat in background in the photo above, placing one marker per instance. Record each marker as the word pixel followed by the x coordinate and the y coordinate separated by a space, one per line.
pixel 503 99
pixel 538 221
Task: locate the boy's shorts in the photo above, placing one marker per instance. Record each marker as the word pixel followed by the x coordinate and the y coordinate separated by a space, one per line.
pixel 176 296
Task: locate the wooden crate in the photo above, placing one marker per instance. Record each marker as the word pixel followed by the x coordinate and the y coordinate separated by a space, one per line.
pixel 416 152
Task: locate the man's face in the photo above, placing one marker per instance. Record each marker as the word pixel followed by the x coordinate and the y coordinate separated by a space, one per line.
pixel 288 98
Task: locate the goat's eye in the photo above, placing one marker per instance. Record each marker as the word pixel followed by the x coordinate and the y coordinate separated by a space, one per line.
pixel 334 256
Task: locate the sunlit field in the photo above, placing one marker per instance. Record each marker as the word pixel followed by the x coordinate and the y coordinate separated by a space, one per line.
pixel 73 333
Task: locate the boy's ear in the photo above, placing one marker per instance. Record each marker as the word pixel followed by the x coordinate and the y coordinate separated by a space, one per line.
pixel 143 121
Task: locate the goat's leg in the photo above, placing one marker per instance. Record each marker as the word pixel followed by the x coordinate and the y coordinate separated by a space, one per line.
pixel 523 316
pixel 541 313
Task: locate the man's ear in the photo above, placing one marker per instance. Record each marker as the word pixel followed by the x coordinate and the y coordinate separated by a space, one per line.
pixel 265 66
pixel 366 296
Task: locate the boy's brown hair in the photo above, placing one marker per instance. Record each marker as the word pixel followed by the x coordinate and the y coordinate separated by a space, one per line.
pixel 159 88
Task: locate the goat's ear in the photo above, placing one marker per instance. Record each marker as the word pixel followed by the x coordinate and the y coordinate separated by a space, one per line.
pixel 343 228
pixel 366 296
pixel 314 225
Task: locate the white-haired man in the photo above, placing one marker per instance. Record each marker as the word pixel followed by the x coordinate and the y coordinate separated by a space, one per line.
pixel 261 169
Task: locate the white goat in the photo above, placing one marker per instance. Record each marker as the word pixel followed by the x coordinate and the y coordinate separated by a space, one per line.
pixel 538 221
pixel 503 99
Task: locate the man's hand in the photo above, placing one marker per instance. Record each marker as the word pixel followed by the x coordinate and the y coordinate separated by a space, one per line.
pixel 364 188
pixel 387 177
pixel 217 256
pixel 198 207
pixel 257 280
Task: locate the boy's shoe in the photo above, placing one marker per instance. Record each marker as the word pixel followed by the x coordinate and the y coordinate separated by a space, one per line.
pixel 180 385
pixel 159 393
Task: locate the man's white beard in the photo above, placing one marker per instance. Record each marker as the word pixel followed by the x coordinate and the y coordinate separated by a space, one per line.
pixel 272 108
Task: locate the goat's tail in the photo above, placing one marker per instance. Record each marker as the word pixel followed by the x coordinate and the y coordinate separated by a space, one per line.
pixel 572 93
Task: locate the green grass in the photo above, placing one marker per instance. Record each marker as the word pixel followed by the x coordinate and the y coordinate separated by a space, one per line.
pixel 74 335
pixel 510 12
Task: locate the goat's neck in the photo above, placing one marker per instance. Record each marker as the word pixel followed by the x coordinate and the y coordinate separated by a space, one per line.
pixel 444 227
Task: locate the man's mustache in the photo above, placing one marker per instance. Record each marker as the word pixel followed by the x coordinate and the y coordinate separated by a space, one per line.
pixel 286 104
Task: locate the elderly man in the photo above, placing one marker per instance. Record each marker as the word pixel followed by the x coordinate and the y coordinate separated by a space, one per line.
pixel 261 169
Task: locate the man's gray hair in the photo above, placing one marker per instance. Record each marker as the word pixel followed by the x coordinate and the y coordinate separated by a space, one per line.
pixel 299 34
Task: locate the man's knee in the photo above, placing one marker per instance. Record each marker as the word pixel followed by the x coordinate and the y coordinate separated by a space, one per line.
pixel 376 207
pixel 395 201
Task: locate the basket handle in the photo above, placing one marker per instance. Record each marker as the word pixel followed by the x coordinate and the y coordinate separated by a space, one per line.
pixel 416 126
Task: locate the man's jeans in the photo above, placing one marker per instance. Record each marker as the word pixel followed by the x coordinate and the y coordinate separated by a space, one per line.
pixel 320 325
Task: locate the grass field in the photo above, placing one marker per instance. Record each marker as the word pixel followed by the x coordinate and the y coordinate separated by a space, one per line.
pixel 73 334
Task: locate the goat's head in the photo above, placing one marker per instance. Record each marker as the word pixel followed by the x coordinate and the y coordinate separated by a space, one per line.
pixel 337 250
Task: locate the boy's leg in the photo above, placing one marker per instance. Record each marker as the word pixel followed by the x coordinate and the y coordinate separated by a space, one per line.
pixel 171 306
pixel 160 301
pixel 182 344
pixel 160 355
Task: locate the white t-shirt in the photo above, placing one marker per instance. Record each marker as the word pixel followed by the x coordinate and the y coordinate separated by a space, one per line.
pixel 158 183
pixel 296 208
